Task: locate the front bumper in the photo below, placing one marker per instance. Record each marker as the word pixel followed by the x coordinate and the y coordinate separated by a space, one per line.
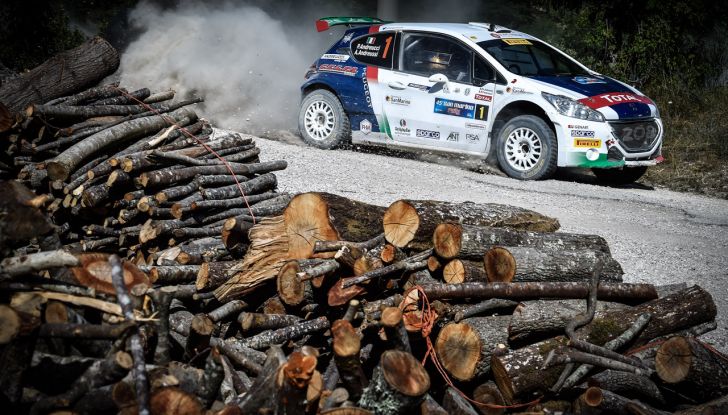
pixel 599 144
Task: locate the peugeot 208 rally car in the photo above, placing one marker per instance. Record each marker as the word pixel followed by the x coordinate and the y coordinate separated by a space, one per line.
pixel 480 90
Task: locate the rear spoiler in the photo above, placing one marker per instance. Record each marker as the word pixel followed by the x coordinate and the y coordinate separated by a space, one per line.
pixel 325 23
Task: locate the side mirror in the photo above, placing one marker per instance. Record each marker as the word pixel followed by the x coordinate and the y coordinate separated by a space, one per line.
pixel 438 78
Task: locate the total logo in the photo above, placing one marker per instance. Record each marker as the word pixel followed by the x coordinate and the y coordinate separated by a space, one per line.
pixel 453 137
pixel 402 128
pixel 482 97
pixel 392 99
pixel 613 98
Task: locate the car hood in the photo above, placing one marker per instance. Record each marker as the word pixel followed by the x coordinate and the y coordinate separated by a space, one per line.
pixel 615 100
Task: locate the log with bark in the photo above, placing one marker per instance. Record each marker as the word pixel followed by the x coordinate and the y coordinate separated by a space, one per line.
pixel 411 223
pixel 65 73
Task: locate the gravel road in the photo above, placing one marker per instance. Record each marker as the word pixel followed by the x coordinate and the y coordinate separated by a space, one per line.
pixel 659 236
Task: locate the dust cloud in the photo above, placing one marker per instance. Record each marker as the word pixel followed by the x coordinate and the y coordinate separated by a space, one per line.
pixel 248 65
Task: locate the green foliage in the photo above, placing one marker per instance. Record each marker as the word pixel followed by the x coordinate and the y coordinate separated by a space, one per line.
pixel 34 30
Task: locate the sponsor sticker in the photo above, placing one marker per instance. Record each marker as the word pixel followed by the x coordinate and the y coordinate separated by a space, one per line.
pixel 516 41
pixel 461 109
pixel 347 38
pixel 582 133
pixel 613 98
pixel 428 134
pixel 346 70
pixel 418 86
pixel 577 126
pixel 476 126
pixel 495 35
pixel 365 126
pixel 367 96
pixel 586 80
pixel 587 143
pixel 453 136
pixel 335 57
pixel 402 128
pixel 392 99
pixel 472 138
pixel 483 97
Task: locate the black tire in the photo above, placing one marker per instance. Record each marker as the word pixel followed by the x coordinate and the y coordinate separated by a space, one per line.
pixel 626 175
pixel 317 132
pixel 537 139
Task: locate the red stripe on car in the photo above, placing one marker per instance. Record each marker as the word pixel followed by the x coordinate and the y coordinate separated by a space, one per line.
pixel 614 98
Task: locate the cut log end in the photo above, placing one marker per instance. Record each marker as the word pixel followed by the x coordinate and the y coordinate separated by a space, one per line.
pixel 404 373
pixel 673 360
pixel 95 272
pixel 499 265
pixel 401 222
pixel 57 171
pixel 9 324
pixel 346 341
pixel 446 240
pixel 391 316
pixel 307 221
pixel 593 397
pixel 454 272
pixel 291 289
pixel 458 347
pixel 500 375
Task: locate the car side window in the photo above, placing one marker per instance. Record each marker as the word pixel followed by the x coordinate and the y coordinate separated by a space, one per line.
pixel 426 55
pixel 376 49
pixel 484 72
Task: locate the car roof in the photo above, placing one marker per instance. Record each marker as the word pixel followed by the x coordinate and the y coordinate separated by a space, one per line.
pixel 474 31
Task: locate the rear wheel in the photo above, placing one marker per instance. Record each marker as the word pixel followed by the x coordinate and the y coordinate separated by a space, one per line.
pixel 322 121
pixel 527 148
pixel 624 175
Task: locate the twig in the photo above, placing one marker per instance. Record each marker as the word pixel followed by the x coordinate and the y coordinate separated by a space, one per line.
pixel 139 370
pixel 613 344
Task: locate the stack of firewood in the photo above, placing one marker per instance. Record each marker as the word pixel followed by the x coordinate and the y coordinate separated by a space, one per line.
pixel 344 307
pixel 153 268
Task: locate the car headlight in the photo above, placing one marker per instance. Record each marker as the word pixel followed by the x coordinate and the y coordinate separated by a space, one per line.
pixel 572 108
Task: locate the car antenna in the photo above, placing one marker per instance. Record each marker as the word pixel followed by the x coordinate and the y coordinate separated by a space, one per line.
pixel 491 27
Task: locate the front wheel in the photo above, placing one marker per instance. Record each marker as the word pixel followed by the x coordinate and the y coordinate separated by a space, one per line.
pixel 624 175
pixel 527 148
pixel 322 121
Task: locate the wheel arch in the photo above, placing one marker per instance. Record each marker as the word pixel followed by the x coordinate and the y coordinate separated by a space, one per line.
pixel 515 109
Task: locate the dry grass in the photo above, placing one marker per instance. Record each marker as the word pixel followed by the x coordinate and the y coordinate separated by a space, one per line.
pixel 695 146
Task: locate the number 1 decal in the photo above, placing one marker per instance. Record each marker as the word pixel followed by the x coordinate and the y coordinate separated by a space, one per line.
pixel 481 112
pixel 386 47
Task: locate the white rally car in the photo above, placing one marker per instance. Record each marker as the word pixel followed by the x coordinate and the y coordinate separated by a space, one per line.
pixel 480 90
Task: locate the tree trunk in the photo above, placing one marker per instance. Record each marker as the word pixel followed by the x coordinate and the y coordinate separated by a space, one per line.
pixel 695 370
pixel 538 319
pixel 621 292
pixel 398 385
pixel 293 332
pixel 629 385
pixel 65 163
pixel 518 372
pixel 65 73
pixel 166 177
pixel 291 289
pixel 524 264
pixel 472 242
pixel 411 223
pixel 465 348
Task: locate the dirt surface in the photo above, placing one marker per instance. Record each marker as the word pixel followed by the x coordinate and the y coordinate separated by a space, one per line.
pixel 659 236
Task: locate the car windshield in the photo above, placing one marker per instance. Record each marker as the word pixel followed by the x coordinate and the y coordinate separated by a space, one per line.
pixel 530 57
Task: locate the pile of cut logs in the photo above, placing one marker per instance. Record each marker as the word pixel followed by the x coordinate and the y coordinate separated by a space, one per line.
pixel 344 307
pixel 136 278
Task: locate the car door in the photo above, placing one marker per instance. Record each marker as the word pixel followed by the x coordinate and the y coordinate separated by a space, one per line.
pixel 430 97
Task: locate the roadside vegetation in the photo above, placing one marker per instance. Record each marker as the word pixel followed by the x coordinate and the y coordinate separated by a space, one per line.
pixel 674 51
